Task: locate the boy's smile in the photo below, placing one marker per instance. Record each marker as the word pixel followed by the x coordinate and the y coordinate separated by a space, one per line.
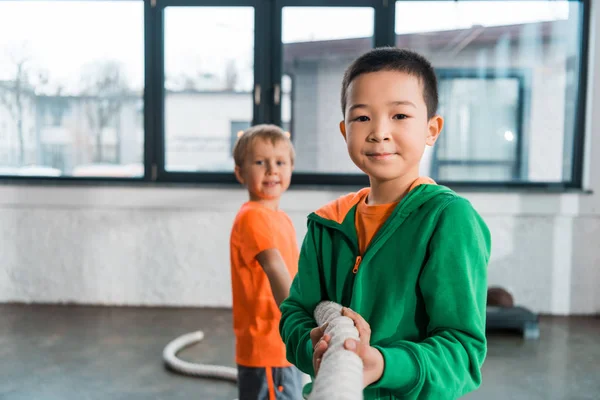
pixel 381 155
pixel 386 126
pixel 271 183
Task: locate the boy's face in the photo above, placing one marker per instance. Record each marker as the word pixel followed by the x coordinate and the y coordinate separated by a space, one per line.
pixel 267 170
pixel 386 125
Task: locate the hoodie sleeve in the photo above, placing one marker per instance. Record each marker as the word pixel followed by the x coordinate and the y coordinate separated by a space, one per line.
pixel 453 282
pixel 297 310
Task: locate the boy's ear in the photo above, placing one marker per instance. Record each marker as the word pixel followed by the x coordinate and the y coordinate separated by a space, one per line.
pixel 435 125
pixel 238 174
pixel 343 129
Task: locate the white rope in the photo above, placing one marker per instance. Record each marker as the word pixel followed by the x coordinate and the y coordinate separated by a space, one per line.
pixel 340 375
pixel 187 368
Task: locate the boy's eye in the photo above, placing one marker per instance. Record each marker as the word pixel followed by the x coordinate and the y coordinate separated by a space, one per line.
pixel 400 116
pixel 362 118
pixel 259 162
pixel 280 162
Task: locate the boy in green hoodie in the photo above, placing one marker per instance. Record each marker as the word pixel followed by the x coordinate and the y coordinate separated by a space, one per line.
pixel 405 257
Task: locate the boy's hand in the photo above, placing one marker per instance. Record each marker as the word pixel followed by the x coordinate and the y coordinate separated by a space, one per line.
pixel 320 342
pixel 373 362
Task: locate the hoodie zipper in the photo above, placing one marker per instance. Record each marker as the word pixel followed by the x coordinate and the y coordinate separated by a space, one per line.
pixel 375 239
pixel 356 264
pixel 359 257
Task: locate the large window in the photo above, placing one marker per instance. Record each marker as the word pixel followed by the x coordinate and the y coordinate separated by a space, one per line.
pixel 502 126
pixel 71 89
pixel 159 90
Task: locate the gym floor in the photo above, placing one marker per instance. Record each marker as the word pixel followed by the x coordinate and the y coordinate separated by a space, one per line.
pixel 76 352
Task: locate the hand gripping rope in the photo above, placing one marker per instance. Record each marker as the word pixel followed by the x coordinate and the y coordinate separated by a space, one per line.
pixel 340 375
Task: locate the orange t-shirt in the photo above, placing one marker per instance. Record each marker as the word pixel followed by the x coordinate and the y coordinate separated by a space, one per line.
pixel 255 313
pixel 369 219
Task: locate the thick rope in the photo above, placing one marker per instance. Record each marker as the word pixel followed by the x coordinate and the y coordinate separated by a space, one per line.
pixel 192 369
pixel 340 375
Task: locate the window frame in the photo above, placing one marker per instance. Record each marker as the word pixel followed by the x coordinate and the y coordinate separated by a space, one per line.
pixel 268 47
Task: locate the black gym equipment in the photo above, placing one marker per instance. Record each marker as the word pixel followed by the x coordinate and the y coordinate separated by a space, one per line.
pixel 503 315
pixel 513 318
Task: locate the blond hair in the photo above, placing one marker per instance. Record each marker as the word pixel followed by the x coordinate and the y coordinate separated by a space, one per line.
pixel 272 133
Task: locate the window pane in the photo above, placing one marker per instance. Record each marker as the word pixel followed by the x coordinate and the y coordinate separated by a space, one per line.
pixel 71 89
pixel 465 113
pixel 315 56
pixel 209 77
pixel 514 85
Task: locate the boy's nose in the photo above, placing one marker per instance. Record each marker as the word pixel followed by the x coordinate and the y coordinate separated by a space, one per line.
pixel 380 132
pixel 271 167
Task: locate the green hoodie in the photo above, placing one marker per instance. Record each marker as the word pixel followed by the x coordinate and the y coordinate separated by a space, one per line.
pixel 421 285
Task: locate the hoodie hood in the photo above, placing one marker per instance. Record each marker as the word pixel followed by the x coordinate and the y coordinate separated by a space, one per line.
pixel 422 190
pixel 340 213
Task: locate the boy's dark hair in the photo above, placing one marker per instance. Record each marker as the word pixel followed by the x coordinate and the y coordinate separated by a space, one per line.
pixel 394 59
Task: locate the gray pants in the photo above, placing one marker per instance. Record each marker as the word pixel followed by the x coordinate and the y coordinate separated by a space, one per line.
pixel 269 383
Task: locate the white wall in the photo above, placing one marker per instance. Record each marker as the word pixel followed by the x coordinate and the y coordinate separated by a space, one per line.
pixel 169 246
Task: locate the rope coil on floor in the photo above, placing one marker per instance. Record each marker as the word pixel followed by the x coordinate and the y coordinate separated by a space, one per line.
pixel 176 364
